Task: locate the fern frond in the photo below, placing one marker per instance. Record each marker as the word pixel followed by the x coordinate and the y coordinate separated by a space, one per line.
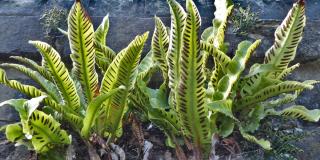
pixel 299 112
pixel 60 74
pixel 268 92
pixel 46 132
pixel 81 38
pixel 104 56
pixel 34 66
pixel 159 45
pixel 100 34
pixel 46 85
pixel 122 71
pixel 287 37
pixel 234 69
pixel 287 71
pixel 30 91
pixel 178 20
pixel 191 92
pixel 261 142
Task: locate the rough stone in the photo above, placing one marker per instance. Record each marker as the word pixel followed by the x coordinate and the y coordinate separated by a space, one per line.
pixel 277 9
pixel 308 50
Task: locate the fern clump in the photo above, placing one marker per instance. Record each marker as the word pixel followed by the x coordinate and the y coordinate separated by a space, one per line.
pixel 200 103
pixel 74 96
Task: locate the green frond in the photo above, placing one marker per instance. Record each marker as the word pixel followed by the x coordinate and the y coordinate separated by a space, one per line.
pixel 285 99
pixel 100 34
pixel 92 110
pixel 104 56
pixel 191 92
pixel 122 71
pixel 218 55
pixel 30 91
pixel 14 132
pixel 298 112
pixel 287 37
pixel 287 71
pixel 221 20
pixel 234 69
pixel 224 107
pixel 261 142
pixel 252 121
pixel 167 120
pixel 81 38
pixel 34 66
pixel 178 20
pixel 146 68
pixel 159 46
pixel 46 85
pixel 60 74
pixel 257 79
pixel 274 90
pixel 46 132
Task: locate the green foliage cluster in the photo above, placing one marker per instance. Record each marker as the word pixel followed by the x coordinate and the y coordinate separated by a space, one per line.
pixel 194 104
pixel 243 20
pixel 52 19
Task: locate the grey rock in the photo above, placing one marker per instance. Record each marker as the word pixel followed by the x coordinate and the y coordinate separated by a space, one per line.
pixel 277 9
pixel 21 153
pixel 308 50
pixel 16 31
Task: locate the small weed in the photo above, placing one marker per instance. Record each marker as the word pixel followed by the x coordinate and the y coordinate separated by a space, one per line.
pixel 52 19
pixel 243 20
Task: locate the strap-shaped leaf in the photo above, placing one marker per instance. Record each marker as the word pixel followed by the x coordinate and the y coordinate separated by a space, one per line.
pixel 81 38
pixel 14 132
pixel 104 56
pixel 34 66
pixel 224 107
pixel 262 142
pixel 46 132
pixel 218 55
pixel 223 10
pixel 299 112
pixel 287 71
pixel 46 85
pixel 60 74
pixel 146 68
pixel 287 37
pixel 284 87
pixel 191 92
pixel 178 18
pixel 160 44
pixel 122 71
pixel 166 120
pixel 235 68
pixel 92 111
pixel 29 91
pixel 101 33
